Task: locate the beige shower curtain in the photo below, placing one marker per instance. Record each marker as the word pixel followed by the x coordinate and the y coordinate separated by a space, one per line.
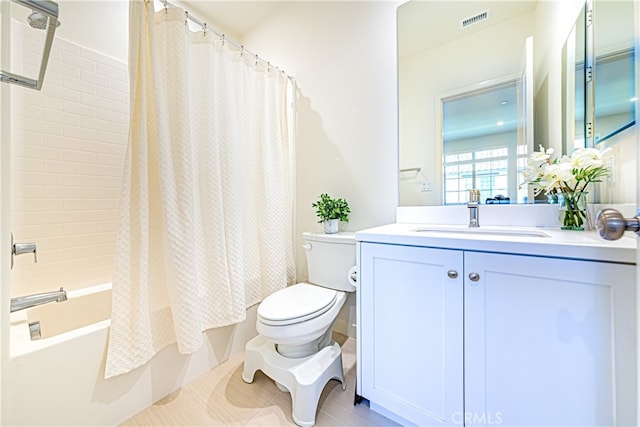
pixel 206 216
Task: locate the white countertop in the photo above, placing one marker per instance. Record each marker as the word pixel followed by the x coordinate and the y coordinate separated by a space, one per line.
pixel 556 243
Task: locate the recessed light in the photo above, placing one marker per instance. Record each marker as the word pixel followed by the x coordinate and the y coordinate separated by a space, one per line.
pixel 505 102
pixel 500 123
pixel 634 99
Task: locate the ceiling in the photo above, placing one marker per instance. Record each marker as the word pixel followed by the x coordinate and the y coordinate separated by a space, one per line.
pixel 483 112
pixel 234 18
pixel 426 24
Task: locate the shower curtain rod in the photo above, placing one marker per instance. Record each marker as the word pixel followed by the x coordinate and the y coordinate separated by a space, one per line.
pixel 241 47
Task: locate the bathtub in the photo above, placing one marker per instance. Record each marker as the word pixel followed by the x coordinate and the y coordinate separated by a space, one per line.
pixel 59 378
pixel 85 310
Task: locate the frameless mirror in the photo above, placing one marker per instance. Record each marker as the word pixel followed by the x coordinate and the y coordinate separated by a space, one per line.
pixel 444 49
pixel 598 100
pixel 614 76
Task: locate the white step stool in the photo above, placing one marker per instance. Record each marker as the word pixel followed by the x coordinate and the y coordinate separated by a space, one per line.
pixel 303 378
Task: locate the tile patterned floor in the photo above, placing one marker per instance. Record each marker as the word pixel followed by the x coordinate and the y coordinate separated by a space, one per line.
pixel 221 398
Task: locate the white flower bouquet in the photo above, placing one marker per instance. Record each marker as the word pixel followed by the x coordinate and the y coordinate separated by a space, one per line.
pixel 568 177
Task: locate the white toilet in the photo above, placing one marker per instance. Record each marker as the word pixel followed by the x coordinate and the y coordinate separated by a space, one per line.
pixel 294 345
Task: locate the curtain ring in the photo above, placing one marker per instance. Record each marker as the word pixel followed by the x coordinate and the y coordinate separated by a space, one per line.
pixel 204 29
pixel 268 66
pixel 222 39
pixel 165 6
pixel 186 18
pixel 241 49
pixel 256 63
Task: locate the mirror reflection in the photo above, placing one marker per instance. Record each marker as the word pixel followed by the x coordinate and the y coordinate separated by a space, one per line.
pixel 614 68
pixel 480 144
pixel 603 100
pixel 439 59
pixel 438 56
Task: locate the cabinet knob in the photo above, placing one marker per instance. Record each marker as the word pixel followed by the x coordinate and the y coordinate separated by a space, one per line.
pixel 474 277
pixel 452 274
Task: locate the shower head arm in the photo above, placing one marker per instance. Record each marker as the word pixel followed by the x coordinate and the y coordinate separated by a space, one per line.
pixel 47 7
pixel 50 9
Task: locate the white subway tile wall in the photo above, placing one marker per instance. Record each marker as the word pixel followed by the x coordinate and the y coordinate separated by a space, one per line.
pixel 68 144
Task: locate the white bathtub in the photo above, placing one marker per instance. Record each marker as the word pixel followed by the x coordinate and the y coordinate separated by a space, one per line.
pixel 84 311
pixel 59 379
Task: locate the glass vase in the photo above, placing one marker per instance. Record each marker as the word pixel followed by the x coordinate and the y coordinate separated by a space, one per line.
pixel 573 210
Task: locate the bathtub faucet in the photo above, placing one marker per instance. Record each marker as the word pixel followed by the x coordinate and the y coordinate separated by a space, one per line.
pixel 28 301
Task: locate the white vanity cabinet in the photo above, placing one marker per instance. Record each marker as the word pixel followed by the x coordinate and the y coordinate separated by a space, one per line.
pixel 411 325
pixel 457 337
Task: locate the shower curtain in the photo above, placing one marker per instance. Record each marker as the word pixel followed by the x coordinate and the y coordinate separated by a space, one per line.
pixel 206 215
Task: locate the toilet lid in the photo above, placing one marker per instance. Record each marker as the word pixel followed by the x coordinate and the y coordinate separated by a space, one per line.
pixel 295 304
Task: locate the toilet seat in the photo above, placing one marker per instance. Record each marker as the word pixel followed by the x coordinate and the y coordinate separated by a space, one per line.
pixel 295 304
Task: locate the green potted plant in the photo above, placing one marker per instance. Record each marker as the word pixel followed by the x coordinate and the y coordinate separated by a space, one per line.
pixel 331 211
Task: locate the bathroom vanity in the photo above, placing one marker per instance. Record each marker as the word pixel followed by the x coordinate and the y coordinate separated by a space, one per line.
pixel 511 326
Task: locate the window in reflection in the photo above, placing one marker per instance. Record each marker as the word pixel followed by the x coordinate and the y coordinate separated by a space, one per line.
pixel 485 170
pixel 480 145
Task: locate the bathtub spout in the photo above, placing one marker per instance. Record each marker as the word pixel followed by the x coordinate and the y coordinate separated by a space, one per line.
pixel 28 301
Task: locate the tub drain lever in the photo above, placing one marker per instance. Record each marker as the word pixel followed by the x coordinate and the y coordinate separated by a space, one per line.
pixel 23 248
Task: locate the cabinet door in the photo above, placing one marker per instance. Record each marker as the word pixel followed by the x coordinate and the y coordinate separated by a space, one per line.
pixel 549 342
pixel 411 331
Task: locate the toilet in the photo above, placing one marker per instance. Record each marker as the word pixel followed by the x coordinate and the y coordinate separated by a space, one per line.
pixel 294 346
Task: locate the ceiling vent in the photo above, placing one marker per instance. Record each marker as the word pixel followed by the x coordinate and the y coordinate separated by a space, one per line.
pixel 479 17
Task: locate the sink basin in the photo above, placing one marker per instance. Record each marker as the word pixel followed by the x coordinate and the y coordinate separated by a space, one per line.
pixel 482 231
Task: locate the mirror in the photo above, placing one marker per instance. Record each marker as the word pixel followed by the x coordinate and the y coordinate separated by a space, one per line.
pixel 613 25
pixel 573 100
pixel 601 103
pixel 445 48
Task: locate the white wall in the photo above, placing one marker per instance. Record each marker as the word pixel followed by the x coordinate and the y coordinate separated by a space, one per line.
pixel 101 25
pixel 343 57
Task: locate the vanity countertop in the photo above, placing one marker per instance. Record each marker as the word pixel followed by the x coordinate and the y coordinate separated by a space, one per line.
pixel 585 245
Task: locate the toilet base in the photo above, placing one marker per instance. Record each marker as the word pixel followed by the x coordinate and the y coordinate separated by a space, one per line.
pixel 304 378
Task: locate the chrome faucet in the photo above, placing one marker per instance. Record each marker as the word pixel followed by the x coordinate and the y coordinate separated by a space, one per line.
pixel 28 301
pixel 473 205
pixel 26 248
pixel 23 248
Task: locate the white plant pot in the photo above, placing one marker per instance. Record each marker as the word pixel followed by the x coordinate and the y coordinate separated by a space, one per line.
pixel 331 226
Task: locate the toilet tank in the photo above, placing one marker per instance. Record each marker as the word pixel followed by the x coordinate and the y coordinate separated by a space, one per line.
pixel 329 258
